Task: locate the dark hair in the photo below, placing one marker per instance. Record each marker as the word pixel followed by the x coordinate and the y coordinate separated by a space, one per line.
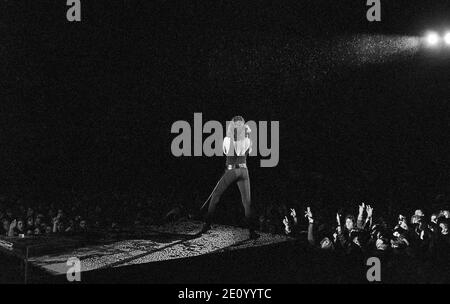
pixel 350 217
pixel 237 118
pixel 385 235
pixel 363 237
pixel 324 231
pixel 444 221
pixel 400 230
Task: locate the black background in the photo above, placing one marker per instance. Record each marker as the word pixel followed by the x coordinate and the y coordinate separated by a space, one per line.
pixel 89 106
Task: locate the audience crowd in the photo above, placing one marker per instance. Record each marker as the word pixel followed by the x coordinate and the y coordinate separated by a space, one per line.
pixel 24 217
pixel 411 247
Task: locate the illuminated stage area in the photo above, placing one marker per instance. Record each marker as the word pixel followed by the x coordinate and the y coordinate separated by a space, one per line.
pixel 171 253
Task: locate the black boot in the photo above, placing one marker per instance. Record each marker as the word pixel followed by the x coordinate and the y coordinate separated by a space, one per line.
pixel 251 226
pixel 253 235
pixel 205 228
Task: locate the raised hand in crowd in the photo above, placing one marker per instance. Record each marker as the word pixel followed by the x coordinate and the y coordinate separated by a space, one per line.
pixel 287 226
pixel 402 222
pixel 361 209
pixel 294 215
pixel 338 220
pixel 309 215
pixel 369 211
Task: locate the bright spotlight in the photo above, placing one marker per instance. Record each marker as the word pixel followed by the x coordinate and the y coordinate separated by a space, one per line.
pixel 447 38
pixel 432 38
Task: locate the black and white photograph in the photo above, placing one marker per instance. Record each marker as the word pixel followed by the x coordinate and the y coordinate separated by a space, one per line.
pixel 203 143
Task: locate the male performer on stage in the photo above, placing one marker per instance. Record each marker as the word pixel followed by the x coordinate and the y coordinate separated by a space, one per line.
pixel 236 146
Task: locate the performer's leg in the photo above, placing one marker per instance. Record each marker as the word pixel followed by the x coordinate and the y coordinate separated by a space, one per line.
pixel 228 177
pixel 244 187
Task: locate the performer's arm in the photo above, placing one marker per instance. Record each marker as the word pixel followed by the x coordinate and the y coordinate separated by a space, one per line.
pixel 226 145
pixel 247 138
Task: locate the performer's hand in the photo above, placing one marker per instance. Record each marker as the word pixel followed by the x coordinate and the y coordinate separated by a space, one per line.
pixel 13 224
pixel 247 130
pixel 226 145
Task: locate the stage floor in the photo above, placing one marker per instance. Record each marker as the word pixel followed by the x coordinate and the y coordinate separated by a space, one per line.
pixel 154 244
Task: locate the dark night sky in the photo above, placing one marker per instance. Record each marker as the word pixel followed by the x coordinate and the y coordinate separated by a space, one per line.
pixel 90 105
